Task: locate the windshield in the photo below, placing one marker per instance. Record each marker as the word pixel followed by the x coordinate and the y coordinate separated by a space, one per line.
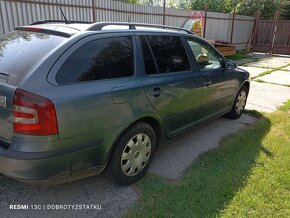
pixel 20 51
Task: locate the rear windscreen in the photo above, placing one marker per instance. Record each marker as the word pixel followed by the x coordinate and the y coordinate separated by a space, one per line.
pixel 20 51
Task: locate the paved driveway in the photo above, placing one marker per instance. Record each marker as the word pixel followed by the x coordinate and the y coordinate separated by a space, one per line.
pixel 273 89
pixel 267 97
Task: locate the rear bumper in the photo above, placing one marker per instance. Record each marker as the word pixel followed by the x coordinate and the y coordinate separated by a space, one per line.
pixel 51 167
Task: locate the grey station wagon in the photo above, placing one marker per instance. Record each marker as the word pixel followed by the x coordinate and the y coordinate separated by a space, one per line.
pixel 77 98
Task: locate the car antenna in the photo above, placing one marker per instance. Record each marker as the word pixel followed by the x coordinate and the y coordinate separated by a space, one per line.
pixel 63 15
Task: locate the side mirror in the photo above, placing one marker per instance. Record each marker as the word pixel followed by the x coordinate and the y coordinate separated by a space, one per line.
pixel 231 64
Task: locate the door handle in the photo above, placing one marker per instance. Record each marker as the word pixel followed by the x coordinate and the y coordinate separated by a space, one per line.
pixel 207 82
pixel 156 92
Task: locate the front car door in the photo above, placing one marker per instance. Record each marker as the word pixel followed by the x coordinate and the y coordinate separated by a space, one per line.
pixel 219 84
pixel 172 84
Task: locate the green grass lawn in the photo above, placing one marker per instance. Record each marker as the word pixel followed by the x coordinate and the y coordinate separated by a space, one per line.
pixel 237 56
pixel 247 176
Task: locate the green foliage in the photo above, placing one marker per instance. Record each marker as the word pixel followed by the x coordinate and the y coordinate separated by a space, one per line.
pixel 266 7
pixel 238 56
pixel 129 1
pixel 152 2
pixel 243 7
pixel 286 10
pixel 224 6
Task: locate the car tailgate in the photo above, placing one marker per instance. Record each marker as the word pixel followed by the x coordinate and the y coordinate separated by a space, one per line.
pixel 6 113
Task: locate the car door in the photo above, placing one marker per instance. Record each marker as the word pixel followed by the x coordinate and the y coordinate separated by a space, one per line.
pixel 219 84
pixel 95 85
pixel 172 84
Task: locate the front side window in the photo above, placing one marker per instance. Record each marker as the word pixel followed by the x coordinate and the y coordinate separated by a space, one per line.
pixel 99 59
pixel 166 53
pixel 206 58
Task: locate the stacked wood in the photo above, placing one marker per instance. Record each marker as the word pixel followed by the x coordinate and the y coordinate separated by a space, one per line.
pixel 226 50
pixel 224 47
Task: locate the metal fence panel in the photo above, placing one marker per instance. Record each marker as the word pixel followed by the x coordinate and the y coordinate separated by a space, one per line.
pixel 16 13
pixel 221 24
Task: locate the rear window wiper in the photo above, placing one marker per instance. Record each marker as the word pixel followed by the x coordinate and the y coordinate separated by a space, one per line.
pixel 5 74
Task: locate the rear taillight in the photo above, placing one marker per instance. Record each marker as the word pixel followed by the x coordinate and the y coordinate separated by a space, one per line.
pixel 33 114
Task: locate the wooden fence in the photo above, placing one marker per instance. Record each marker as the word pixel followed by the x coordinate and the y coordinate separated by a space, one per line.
pixel 22 12
pixel 271 36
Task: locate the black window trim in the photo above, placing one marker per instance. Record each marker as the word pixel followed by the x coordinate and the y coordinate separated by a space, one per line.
pixel 153 56
pixel 162 74
pixel 211 48
pixel 84 41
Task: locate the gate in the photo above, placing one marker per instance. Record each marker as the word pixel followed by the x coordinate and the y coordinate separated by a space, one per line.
pixel 271 36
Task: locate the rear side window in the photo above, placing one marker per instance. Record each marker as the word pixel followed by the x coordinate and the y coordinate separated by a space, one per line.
pixel 99 59
pixel 20 51
pixel 168 52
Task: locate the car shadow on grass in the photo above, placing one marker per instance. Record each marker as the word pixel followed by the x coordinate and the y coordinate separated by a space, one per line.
pixel 212 181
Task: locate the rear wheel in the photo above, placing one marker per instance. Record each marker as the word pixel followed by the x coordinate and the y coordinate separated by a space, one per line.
pixel 239 104
pixel 133 154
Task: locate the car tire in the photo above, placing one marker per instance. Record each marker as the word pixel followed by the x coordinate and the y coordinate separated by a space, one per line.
pixel 132 154
pixel 239 104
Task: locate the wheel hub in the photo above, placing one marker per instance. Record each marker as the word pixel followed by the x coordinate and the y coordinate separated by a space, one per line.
pixel 136 155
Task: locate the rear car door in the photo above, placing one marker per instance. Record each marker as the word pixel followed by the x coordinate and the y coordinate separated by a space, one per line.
pixel 171 82
pixel 219 84
pixel 96 77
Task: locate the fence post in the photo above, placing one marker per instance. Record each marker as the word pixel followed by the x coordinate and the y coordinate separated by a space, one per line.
pixel 94 10
pixel 233 23
pixel 2 20
pixel 164 11
pixel 276 18
pixel 254 31
pixel 204 25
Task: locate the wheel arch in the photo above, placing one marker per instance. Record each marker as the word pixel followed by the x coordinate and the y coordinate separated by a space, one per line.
pixel 246 84
pixel 153 121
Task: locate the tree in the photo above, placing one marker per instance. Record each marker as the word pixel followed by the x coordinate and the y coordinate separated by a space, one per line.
pixel 286 10
pixel 266 7
pixel 224 6
pixel 213 5
pixel 243 7
pixel 144 2
pixel 129 1
pixel 152 2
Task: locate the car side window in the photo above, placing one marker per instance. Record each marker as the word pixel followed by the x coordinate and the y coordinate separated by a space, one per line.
pixel 205 56
pixel 99 59
pixel 168 54
pixel 149 62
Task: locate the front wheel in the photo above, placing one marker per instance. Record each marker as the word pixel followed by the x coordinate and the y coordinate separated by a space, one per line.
pixel 239 104
pixel 133 154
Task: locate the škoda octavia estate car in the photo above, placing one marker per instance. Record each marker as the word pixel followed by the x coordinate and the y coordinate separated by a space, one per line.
pixel 78 98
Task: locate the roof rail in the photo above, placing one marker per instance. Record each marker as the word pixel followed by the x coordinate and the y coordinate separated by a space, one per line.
pixel 58 21
pixel 101 25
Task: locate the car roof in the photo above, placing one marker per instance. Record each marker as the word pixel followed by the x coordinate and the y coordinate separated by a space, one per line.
pixel 69 29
